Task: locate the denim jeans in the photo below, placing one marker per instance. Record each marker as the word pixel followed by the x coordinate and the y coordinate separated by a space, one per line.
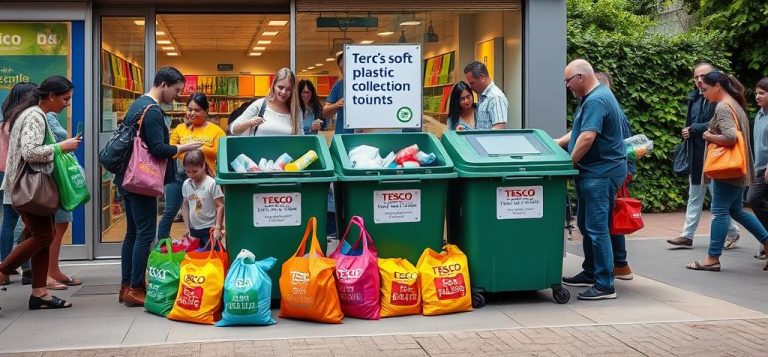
pixel 10 220
pixel 173 201
pixel 596 196
pixel 757 196
pixel 727 201
pixel 141 217
pixel 619 248
pixel 696 195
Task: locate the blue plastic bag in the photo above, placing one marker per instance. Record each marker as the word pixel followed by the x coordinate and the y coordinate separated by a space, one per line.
pixel 247 292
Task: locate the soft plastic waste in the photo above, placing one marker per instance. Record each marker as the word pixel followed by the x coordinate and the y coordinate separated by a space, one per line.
pixel 638 146
pixel 303 162
pixel 368 157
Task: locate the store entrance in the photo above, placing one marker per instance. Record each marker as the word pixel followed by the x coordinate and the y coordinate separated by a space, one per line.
pixel 229 58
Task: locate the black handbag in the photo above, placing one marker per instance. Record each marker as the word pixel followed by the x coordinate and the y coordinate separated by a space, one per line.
pixel 114 157
pixel 681 162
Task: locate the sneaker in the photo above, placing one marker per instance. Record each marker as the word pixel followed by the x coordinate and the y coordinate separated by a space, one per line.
pixel 730 242
pixel 597 294
pixel 681 242
pixel 761 255
pixel 578 280
pixel 623 273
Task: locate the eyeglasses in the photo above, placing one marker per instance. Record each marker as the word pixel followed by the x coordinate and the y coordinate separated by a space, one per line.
pixel 568 80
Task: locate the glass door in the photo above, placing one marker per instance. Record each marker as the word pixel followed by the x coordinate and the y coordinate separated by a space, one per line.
pixel 121 59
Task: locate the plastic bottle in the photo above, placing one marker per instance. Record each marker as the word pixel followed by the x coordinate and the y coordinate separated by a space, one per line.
pixel 283 160
pixel 303 162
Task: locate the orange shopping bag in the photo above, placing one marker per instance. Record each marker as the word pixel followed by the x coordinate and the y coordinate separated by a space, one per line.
pixel 201 286
pixel 444 281
pixel 307 285
pixel 400 292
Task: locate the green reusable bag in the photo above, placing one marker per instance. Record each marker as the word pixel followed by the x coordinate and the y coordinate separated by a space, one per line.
pixel 70 178
pixel 163 271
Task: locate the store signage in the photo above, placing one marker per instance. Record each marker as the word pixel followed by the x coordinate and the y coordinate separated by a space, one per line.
pixel 346 22
pixel 382 86
pixel 225 67
pixel 398 206
pixel 519 202
pixel 277 209
pixel 33 38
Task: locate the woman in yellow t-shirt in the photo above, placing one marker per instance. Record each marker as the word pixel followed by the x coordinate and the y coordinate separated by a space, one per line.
pixel 198 130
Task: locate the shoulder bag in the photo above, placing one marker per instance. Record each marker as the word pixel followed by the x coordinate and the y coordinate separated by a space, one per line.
pixel 34 192
pixel 114 157
pixel 721 162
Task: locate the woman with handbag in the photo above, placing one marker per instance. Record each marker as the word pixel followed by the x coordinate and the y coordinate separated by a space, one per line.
pixel 30 158
pixel 728 163
pixel 277 114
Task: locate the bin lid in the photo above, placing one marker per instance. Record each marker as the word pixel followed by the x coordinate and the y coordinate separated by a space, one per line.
pixel 270 148
pixel 515 152
pixel 341 144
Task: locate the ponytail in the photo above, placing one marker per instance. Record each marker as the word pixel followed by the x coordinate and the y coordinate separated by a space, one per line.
pixel 736 90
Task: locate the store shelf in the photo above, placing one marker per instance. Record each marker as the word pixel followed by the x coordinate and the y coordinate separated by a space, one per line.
pixel 439 85
pixel 121 89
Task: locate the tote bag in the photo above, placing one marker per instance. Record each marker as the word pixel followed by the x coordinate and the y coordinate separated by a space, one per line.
pixel 357 276
pixel 145 174
pixel 163 272
pixel 627 216
pixel 723 162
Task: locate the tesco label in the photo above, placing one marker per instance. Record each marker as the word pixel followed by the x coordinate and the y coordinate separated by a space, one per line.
pixel 397 206
pixel 519 202
pixel 277 209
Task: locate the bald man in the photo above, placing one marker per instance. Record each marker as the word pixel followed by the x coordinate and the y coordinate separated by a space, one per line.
pixel 597 150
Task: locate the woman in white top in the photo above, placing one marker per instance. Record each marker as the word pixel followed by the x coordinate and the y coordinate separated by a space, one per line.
pixel 280 110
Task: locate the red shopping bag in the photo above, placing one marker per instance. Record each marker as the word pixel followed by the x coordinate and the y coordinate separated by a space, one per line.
pixel 627 216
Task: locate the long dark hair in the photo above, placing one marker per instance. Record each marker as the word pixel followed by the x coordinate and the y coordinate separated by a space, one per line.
pixel 199 99
pixel 314 101
pixel 730 84
pixel 23 95
pixel 454 108
pixel 56 85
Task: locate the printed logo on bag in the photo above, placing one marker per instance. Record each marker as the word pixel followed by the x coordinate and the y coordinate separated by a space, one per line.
pixel 404 276
pixel 194 279
pixel 190 298
pixel 446 269
pixel 243 283
pixel 450 288
pixel 404 294
pixel 349 274
pixel 349 295
pixel 242 303
pixel 156 273
pixel 76 176
pixel 300 284
pixel 299 277
pixel 148 168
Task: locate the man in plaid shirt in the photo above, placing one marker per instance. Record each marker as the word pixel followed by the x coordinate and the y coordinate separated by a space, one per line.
pixel 492 106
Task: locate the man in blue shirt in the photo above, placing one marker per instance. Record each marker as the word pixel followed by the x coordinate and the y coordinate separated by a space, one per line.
pixel 334 104
pixel 597 150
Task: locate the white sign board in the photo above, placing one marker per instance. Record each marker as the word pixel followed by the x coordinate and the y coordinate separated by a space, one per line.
pixel 397 206
pixel 276 209
pixel 519 202
pixel 382 86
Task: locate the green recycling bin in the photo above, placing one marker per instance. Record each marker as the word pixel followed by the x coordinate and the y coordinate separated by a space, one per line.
pixel 403 208
pixel 267 212
pixel 507 209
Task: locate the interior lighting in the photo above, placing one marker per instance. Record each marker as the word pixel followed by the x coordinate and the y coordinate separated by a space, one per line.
pixel 255 54
pixel 269 33
pixel 263 42
pixel 164 42
pixel 172 54
pixel 385 33
pixel 277 23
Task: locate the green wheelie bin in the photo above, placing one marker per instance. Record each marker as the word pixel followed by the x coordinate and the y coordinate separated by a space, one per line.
pixel 403 209
pixel 267 212
pixel 507 209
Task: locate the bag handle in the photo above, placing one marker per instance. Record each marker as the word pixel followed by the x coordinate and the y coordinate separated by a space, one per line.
pixel 314 245
pixel 212 247
pixel 141 118
pixel 360 223
pixel 168 248
pixel 735 116
pixel 261 115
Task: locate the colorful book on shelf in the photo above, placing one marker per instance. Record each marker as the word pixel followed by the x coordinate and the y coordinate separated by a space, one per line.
pixel 436 72
pixel 428 71
pixel 324 86
pixel 261 85
pixel 445 98
pixel 245 87
pixel 190 84
pixel 445 69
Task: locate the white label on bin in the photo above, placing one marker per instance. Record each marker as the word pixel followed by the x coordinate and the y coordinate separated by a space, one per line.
pixel 276 209
pixel 519 202
pixel 397 206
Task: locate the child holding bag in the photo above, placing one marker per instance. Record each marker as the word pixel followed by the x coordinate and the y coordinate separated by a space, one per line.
pixel 203 206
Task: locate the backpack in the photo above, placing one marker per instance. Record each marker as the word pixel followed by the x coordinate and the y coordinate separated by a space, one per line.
pixel 114 157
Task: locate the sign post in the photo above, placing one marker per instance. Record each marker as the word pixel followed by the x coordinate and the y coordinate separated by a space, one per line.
pixel 382 86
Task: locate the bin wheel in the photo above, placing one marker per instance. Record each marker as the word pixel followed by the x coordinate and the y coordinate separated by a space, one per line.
pixel 478 300
pixel 561 295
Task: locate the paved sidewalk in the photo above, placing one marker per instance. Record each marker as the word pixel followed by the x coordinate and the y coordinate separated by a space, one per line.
pixel 712 338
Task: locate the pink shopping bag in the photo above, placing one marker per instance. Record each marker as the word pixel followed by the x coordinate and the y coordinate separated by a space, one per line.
pixel 357 276
pixel 145 174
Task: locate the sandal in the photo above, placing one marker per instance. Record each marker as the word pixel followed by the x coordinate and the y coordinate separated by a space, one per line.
pixel 37 303
pixel 698 266
pixel 55 285
pixel 730 242
pixel 71 281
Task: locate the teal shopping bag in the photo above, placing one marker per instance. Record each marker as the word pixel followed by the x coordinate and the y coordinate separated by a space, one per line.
pixel 247 292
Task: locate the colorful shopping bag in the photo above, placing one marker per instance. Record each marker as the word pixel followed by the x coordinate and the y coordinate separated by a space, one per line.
pixel 400 291
pixel 247 292
pixel 185 244
pixel 444 278
pixel 70 178
pixel 145 174
pixel 307 284
pixel 201 287
pixel 357 276
pixel 163 271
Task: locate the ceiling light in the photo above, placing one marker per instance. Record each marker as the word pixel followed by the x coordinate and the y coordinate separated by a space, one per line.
pixel 410 23
pixel 168 48
pixel 310 67
pixel 269 33
pixel 160 33
pixel 255 54
pixel 277 23
pixel 385 33
pixel 172 54
pixel 259 48
pixel 366 42
pixel 318 64
pixel 139 22
pixel 330 59
pixel 164 42
pixel 303 70
pixel 263 42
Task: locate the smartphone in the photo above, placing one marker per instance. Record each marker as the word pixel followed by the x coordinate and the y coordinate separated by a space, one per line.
pixel 79 130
